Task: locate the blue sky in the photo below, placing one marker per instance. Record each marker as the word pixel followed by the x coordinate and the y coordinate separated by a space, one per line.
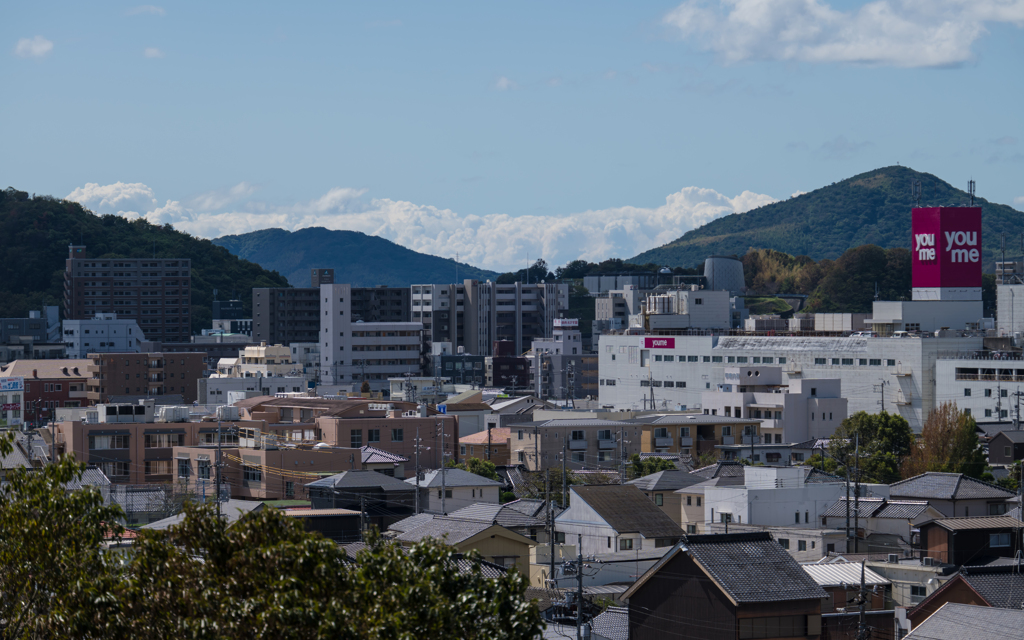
pixel 501 130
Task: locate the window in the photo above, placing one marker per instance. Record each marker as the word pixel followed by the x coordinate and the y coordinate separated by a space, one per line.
pixel 821 361
pixel 289 489
pixel 108 442
pixel 988 393
pixel 691 528
pixel 918 592
pixel 801 545
pixel 163 440
pixel 689 500
pixel 875 362
pixel 798 517
pixel 397 435
pixel 684 432
pixel 1003 393
pixel 727 430
pixel 967 393
pixel 520 434
pixel 184 468
pixel 251 473
pixel 625 544
pixel 716 358
pixel 373 435
pixel 997 509
pixel 998 539
pixel 114 469
pixel 520 457
pixel 203 469
pixel 356 438
pixel 659 499
pixel 579 456
pixel 847 361
pixel 158 467
pixel 447 493
pixel 784 543
pixel 579 435
pixel 698 501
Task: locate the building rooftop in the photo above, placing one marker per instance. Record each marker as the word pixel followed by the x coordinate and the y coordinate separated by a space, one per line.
pixel 1013 435
pixel 611 624
pixel 455 407
pixel 498 514
pixel 626 509
pixel 498 435
pixel 453 478
pixel 980 522
pixel 947 486
pixel 373 455
pixel 967 622
pixel 231 510
pixel 360 479
pixel 452 530
pixel 46 369
pixel 839 573
pixel 998 586
pixel 719 469
pixel 667 480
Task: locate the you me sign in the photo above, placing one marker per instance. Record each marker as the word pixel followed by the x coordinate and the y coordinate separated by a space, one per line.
pixel 946 247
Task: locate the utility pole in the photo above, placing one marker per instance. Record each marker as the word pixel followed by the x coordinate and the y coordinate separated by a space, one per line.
pixel 1016 421
pixel 218 468
pixel 856 496
pixel 417 470
pixel 579 587
pixel 444 489
pixel 551 534
pixel 362 518
pixel 564 479
pixel 847 505
pixel 862 628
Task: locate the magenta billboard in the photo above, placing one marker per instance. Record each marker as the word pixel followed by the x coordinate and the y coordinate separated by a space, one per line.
pixel 946 247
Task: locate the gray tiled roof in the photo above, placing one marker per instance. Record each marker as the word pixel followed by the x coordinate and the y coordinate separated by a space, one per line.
pixel 465 567
pixel 902 509
pixel 668 480
pixel 361 479
pixel 410 523
pixel 814 475
pixel 91 477
pixel 499 514
pixel 451 530
pixel 752 567
pixel 626 509
pixel 453 478
pixel 946 486
pixel 231 510
pixel 866 508
pixel 373 455
pixel 612 624
pixel 720 468
pixel 1013 435
pixel 969 622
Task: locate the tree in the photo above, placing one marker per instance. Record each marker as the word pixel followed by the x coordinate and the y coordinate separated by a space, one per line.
pixel 948 443
pixel 1012 479
pixel 535 483
pixel 365 387
pixel 885 441
pixel 263 577
pixel 707 458
pixel 644 467
pixel 483 468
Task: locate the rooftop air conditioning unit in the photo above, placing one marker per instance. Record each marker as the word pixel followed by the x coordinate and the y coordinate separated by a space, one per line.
pixel 894 558
pixel 929 562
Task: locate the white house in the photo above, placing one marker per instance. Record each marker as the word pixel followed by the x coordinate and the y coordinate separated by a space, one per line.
pixel 778 496
pixel 615 518
pixel 461 489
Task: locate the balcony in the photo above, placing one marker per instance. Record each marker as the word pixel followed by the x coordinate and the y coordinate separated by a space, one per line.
pixel 604 445
pixel 663 442
pixel 686 442
pixel 577 445
pixel 728 440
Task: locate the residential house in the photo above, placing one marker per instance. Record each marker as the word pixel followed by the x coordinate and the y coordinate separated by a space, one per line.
pixel 492 541
pixel 1000 586
pixel 231 511
pixel 26 453
pixel 662 487
pixel 803 544
pixel 961 541
pixel 1006 447
pixel 589 443
pixel 533 527
pixel 691 498
pixel 955 494
pixel 777 496
pixel 615 517
pixel 887 526
pixel 384 499
pixel 841 581
pixel 781 453
pixel 390 464
pixel 47 386
pixel 693 433
pixel 958 621
pixel 724 587
pixel 912 580
pixel 460 489
pixel 340 525
pixel 492 444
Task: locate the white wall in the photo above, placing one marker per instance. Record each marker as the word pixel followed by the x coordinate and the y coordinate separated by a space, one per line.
pixel 461 497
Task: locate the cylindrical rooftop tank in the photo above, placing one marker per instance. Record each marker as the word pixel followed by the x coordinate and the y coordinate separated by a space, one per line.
pixel 724 273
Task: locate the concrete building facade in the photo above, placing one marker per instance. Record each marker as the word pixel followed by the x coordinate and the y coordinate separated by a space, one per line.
pixel 103 333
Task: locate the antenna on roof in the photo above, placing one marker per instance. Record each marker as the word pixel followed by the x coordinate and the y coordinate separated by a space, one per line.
pixel 970 190
pixel 915 191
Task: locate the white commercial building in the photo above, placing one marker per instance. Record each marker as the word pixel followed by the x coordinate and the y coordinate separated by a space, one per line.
pixel 104 333
pixel 685 309
pixel 804 409
pixel 778 497
pixel 215 390
pixel 352 352
pixel 259 360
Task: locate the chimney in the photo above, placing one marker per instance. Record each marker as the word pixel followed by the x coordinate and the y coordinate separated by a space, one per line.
pixel 35 373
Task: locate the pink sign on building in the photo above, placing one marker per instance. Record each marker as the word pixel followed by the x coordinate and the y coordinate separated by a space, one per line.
pixel 946 247
pixel 659 343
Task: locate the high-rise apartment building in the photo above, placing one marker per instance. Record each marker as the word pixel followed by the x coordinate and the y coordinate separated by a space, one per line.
pixel 127 376
pixel 155 292
pixel 474 314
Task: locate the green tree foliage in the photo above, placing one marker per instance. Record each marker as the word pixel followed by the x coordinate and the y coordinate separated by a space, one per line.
pixel 34 238
pixel 538 271
pixel 365 261
pixel 850 283
pixel 885 442
pixel 535 484
pixel 948 443
pixel 578 269
pixel 869 208
pixel 640 467
pixel 264 577
pixel 482 468
pixel 1012 479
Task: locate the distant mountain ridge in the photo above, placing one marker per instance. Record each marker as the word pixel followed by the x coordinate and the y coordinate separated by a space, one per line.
pixel 869 208
pixel 357 258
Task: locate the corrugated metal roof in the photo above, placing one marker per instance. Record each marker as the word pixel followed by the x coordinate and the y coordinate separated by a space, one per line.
pixel 316 513
pixel 758 343
pixel 832 575
pixel 982 522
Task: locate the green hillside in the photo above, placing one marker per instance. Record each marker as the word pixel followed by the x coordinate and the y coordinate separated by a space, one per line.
pixel 357 259
pixel 870 208
pixel 35 234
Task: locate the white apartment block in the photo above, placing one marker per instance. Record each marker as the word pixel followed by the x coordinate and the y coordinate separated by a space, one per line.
pixel 103 333
pixel 802 410
pixel 215 390
pixel 473 315
pixel 351 352
pixel 259 360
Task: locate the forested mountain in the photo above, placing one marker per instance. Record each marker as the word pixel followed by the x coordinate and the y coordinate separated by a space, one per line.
pixel 357 259
pixel 870 208
pixel 34 237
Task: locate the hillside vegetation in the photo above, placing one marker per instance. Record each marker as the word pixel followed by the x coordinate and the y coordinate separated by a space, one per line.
pixel 870 208
pixel 357 259
pixel 34 237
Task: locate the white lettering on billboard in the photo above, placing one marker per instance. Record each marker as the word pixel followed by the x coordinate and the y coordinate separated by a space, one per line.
pixel 925 246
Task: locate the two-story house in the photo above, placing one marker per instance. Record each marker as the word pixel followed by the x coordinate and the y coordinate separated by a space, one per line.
pixel 455 490
pixel 615 518
pixel 955 494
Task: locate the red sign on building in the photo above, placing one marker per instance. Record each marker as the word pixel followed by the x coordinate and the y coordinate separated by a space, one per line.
pixel 659 343
pixel 946 247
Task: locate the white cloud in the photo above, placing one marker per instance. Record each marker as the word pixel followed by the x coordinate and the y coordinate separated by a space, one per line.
pixel 153 52
pixel 504 84
pixel 797 194
pixel 36 47
pixel 495 241
pixel 902 33
pixel 146 9
pixel 1019 200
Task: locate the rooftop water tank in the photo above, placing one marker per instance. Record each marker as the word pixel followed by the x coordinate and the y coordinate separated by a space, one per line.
pixel 724 273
